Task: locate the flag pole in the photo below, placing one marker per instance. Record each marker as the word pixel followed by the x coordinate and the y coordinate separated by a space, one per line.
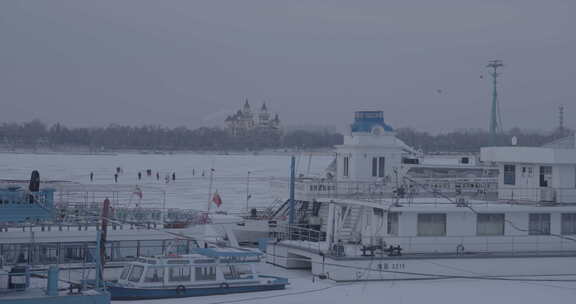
pixel 247 190
pixel 210 188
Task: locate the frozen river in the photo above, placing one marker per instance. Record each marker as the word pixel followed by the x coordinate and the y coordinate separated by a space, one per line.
pixel 190 190
pixel 230 179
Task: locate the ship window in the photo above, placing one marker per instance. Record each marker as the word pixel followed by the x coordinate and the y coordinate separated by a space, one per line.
pixel 346 166
pixel 392 226
pixel 245 271
pixel 205 273
pixel 381 165
pixel 125 272
pixel 410 161
pixel 179 274
pixel 545 176
pixel 374 166
pixel 568 223
pixel 432 224
pixel 509 175
pixel 177 262
pixel 136 273
pixel 154 275
pixel 200 261
pixel 490 224
pixel 539 224
pixel 237 272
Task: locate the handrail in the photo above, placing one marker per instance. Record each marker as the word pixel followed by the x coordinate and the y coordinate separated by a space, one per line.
pixel 297 232
pixel 485 244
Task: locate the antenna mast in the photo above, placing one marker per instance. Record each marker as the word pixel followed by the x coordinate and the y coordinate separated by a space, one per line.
pixel 495 117
pixel 561 118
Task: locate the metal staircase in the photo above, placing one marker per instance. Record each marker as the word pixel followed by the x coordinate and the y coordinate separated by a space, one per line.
pixel 351 219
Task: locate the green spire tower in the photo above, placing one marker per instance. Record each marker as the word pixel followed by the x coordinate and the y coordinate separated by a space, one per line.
pixel 495 118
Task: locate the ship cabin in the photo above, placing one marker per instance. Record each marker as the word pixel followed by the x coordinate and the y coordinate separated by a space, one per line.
pixel 205 266
pixel 372 162
pixel 534 174
pixel 17 204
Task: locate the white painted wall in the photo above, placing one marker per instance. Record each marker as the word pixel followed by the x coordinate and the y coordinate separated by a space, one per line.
pixel 361 148
pixel 564 176
pixel 460 223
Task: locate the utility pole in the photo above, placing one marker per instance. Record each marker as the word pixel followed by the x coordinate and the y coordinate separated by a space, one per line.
pixel 495 117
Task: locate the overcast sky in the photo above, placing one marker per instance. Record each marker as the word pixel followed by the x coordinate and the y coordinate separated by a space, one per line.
pixel 88 63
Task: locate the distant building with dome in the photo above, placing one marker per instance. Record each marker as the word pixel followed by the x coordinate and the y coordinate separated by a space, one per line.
pixel 244 122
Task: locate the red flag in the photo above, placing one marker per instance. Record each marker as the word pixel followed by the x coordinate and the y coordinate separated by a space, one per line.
pixel 217 199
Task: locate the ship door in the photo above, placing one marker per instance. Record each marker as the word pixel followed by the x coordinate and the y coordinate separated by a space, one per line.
pixel 525 176
pixel 545 176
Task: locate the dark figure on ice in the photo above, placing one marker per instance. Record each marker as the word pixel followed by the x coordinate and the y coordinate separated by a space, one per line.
pixel 139 175
pixel 149 172
pixel 157 175
pixel 193 172
pixel 174 176
pixel 115 177
pixel 91 176
pixel 34 185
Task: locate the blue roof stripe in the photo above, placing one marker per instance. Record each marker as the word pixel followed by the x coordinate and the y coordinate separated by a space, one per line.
pixel 211 252
pixel 365 121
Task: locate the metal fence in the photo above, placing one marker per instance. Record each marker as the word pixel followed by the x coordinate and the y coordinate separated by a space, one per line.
pixel 82 252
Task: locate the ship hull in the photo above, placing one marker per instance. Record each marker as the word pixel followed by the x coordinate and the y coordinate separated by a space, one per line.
pixel 119 292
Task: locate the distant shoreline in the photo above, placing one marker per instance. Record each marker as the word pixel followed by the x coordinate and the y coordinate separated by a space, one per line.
pixel 315 152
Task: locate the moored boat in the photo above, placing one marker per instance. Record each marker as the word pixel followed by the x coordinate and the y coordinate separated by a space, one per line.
pixel 374 220
pixel 207 271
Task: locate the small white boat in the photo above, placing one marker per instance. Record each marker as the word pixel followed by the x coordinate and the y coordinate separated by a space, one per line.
pixel 208 271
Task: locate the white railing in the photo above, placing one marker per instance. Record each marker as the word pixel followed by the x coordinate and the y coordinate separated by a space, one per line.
pixel 481 244
pixel 297 233
pixel 309 188
pixel 567 195
pixel 538 194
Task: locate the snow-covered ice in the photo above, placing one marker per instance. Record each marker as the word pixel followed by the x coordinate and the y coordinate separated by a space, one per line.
pixel 188 191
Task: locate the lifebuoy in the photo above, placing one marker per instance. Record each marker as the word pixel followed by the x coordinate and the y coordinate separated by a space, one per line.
pixel 180 289
pixel 224 285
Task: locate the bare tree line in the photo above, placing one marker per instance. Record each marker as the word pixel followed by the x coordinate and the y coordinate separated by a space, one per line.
pixel 35 134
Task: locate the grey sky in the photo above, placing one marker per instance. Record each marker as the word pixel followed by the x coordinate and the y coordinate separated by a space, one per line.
pixel 190 63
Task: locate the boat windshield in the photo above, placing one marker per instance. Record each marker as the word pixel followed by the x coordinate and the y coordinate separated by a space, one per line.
pixel 136 273
pixel 125 272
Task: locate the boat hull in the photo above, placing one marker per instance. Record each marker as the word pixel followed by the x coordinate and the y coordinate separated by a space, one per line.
pixel 119 292
pixel 537 266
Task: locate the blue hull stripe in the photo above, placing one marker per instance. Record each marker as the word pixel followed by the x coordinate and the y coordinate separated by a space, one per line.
pixel 124 293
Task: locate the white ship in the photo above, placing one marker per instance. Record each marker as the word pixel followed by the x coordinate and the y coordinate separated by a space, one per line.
pixel 373 221
pixel 58 225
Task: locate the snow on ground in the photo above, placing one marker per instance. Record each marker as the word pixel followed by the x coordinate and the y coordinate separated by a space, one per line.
pixel 190 190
